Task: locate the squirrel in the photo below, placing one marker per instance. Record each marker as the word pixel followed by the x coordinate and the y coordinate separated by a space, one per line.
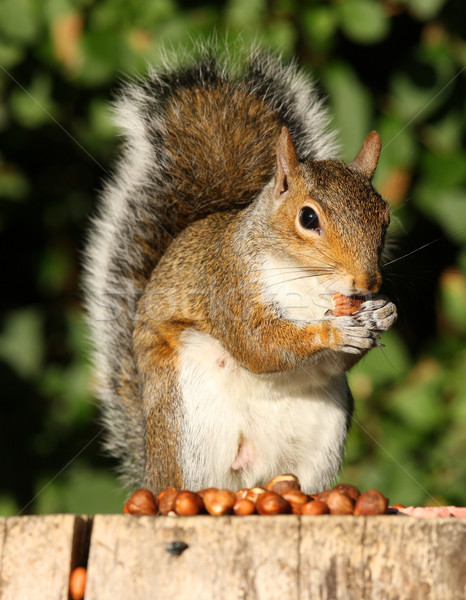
pixel 228 225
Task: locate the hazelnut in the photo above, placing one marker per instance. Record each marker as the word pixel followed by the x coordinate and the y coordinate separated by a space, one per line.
pixel 322 496
pixel 219 502
pixel 315 507
pixel 339 503
pixel 203 492
pixel 350 490
pixel 283 482
pixel 344 306
pixel 371 502
pixel 188 504
pixel 296 498
pixel 270 503
pixel 241 494
pixel 78 583
pixel 142 502
pixel 254 493
pixel 244 507
pixel 166 500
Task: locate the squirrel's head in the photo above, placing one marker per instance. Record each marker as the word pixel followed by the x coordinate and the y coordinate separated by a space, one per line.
pixel 329 216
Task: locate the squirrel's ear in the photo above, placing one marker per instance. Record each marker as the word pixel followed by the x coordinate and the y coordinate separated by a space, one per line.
pixel 366 159
pixel 287 161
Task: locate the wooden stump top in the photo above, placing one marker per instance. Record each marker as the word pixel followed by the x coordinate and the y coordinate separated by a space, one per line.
pixel 284 557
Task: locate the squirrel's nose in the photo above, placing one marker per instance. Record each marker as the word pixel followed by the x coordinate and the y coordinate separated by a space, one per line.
pixel 367 283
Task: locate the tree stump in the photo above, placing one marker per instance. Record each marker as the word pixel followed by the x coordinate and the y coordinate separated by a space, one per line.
pixel 255 558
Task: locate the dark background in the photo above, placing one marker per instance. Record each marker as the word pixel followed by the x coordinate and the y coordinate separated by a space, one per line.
pixel 393 66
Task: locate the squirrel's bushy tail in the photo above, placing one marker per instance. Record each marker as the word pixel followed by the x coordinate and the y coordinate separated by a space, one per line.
pixel 200 137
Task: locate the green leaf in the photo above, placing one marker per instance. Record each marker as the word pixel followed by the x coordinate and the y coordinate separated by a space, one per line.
pixel 445 135
pixel 457 388
pixel 425 9
pixel 21 341
pixel 80 490
pixel 13 184
pixel 423 84
pixel 351 106
pixel 363 21
pixel 56 8
pixel 33 106
pixel 444 170
pixel 54 269
pixel 19 20
pixel 97 131
pixel 444 206
pixel 320 24
pixel 101 54
pixel 418 403
pixel 453 296
pixel 245 14
pixel 385 365
pixel 399 148
pixel 8 506
pixel 281 35
pixel 462 260
pixel 10 54
pixel 70 389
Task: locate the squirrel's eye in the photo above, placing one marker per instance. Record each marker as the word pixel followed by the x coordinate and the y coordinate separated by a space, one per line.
pixel 308 218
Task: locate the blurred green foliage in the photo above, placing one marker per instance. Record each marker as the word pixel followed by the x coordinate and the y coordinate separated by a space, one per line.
pixel 393 65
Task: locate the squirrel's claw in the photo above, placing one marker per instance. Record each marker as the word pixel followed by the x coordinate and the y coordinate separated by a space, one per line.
pixel 377 315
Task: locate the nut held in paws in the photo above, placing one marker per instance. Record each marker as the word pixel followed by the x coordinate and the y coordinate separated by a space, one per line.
pixel 345 306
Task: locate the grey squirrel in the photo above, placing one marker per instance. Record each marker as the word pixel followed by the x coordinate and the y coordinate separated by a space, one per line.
pixel 225 231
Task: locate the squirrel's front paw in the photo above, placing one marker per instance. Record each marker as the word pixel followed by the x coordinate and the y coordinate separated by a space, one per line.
pixel 361 331
pixel 353 336
pixel 377 315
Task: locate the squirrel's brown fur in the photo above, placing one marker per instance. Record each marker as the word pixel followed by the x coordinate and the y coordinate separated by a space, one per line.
pixel 179 259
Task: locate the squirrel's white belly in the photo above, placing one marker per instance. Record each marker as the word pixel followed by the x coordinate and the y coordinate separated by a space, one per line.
pixel 240 429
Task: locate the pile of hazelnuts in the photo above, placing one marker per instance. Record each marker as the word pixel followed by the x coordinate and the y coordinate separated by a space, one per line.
pixel 282 495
